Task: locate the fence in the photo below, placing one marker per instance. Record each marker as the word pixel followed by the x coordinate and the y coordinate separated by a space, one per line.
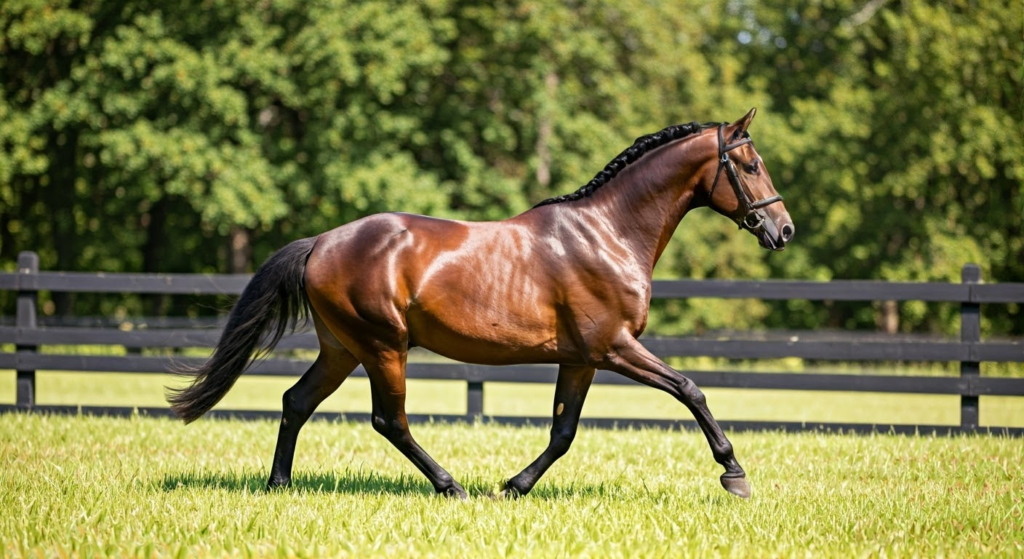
pixel 970 351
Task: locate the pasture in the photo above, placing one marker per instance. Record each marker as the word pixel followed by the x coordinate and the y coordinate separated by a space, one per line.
pixel 144 486
pixel 534 400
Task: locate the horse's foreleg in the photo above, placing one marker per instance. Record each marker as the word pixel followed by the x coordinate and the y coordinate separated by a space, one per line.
pixel 632 360
pixel 570 392
pixel 330 369
pixel 387 384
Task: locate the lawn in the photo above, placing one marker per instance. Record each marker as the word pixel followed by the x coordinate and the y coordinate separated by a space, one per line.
pixel 84 486
pixel 449 397
pixel 80 486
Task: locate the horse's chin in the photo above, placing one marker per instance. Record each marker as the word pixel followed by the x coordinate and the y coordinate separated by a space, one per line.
pixel 766 241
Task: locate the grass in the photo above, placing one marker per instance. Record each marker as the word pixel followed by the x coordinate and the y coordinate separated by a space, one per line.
pixel 86 486
pixel 449 397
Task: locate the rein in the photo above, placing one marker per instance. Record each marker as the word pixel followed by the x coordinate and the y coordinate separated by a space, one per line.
pixel 753 219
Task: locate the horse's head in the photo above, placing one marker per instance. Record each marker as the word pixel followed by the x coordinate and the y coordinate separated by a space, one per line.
pixel 738 187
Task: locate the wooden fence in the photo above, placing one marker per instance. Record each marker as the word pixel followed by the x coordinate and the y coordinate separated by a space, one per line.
pixel 970 350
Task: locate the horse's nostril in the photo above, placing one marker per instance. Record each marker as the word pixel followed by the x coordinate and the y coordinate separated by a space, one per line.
pixel 787 232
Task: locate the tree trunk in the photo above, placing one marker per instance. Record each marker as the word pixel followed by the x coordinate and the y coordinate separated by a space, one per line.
pixel 61 201
pixel 545 128
pixel 889 317
pixel 153 253
pixel 7 251
pixel 240 253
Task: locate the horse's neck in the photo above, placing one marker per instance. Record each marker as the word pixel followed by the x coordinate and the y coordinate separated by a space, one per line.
pixel 643 205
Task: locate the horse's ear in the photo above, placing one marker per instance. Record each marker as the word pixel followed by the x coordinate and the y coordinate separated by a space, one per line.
pixel 744 122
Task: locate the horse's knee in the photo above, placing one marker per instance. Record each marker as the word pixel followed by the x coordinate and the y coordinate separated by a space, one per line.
pixel 393 430
pixel 380 425
pixel 295 406
pixel 561 440
pixel 698 398
pixel 691 394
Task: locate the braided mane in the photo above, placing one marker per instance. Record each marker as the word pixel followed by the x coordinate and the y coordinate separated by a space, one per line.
pixel 641 146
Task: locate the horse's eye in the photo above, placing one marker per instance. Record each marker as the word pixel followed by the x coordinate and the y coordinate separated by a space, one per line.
pixel 753 168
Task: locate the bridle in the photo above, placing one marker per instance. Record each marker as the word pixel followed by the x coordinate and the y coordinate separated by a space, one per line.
pixel 753 219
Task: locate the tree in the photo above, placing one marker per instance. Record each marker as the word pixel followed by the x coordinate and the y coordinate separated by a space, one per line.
pixel 200 136
pixel 900 141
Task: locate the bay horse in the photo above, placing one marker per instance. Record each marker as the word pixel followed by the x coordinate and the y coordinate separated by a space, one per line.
pixel 566 282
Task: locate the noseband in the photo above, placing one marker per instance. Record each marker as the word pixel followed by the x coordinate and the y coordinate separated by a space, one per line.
pixel 753 219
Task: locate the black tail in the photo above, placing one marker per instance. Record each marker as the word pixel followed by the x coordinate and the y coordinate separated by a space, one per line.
pixel 273 298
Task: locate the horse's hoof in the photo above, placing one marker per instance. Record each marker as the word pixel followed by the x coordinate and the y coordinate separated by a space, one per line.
pixel 454 492
pixel 737 486
pixel 504 495
pixel 504 492
pixel 274 484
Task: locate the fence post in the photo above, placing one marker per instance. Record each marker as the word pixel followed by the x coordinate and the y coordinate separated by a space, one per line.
pixel 970 332
pixel 474 398
pixel 28 264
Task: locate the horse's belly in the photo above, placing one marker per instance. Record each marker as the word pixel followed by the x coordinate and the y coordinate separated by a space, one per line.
pixel 469 331
pixel 489 352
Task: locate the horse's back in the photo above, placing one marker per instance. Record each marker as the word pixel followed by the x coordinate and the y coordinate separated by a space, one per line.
pixel 478 286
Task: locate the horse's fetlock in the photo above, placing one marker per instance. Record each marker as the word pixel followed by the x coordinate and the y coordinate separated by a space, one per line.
pixel 723 453
pixel 517 487
pixel 277 481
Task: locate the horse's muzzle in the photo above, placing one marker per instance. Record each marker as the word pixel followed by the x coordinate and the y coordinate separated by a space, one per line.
pixel 773 236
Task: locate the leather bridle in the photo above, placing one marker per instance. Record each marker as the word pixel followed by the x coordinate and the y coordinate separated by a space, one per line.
pixel 753 219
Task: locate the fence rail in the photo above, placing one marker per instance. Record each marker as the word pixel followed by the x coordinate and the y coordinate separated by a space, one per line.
pixel 970 350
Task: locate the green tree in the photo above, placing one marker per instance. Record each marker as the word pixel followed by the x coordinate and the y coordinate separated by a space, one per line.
pixel 900 142
pixel 200 136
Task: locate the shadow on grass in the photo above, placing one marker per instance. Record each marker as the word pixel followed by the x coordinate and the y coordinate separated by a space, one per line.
pixel 549 491
pixel 309 482
pixel 553 492
pixel 369 483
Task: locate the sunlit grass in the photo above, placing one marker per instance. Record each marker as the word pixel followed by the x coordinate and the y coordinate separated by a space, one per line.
pixel 80 486
pixel 449 397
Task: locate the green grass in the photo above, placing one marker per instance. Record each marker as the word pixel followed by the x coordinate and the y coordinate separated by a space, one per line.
pixel 84 486
pixel 449 397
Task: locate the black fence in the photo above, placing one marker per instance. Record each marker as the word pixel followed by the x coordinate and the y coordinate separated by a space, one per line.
pixel 27 335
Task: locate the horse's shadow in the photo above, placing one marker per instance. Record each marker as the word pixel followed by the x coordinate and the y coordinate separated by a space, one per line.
pixel 364 483
pixel 306 482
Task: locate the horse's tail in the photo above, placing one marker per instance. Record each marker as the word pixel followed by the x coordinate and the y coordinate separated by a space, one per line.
pixel 274 297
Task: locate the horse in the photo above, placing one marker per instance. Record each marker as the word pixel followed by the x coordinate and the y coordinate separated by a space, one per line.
pixel 567 282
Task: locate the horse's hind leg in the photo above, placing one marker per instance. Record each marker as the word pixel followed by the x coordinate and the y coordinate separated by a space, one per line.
pixel 570 392
pixel 632 360
pixel 387 383
pixel 330 369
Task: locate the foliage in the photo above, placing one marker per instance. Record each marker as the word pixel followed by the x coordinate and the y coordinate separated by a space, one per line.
pixel 902 138
pixel 200 136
